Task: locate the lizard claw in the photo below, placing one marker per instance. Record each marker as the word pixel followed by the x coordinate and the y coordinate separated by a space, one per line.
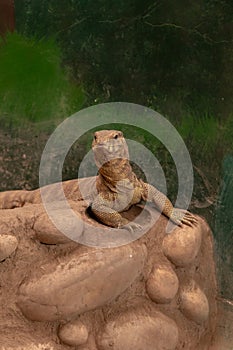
pixel 132 226
pixel 181 217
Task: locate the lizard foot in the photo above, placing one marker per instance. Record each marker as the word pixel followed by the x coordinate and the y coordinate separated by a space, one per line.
pixel 181 217
pixel 132 226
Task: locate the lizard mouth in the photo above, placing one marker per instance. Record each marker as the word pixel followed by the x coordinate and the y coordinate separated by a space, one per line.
pixel 115 149
pixel 109 150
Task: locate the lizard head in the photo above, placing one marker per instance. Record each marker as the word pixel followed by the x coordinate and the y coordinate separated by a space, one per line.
pixel 108 145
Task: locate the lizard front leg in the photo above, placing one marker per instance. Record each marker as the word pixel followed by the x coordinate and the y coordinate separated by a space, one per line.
pixel 178 216
pixel 104 212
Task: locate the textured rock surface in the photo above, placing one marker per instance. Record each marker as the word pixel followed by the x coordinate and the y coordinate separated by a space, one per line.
pixel 135 332
pixel 73 333
pixel 182 245
pixel 194 303
pixel 8 245
pixel 120 294
pixel 81 283
pixel 47 232
pixel 162 284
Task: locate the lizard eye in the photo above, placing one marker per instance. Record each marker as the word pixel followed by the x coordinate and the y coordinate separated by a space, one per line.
pixel 95 137
pixel 116 137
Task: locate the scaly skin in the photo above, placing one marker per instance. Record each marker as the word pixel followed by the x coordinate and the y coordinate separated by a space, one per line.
pixel 19 198
pixel 119 188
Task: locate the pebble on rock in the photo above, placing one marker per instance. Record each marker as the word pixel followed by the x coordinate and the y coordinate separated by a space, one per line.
pixel 140 332
pixel 194 303
pixel 47 232
pixel 81 283
pixel 182 245
pixel 73 333
pixel 162 284
pixel 8 245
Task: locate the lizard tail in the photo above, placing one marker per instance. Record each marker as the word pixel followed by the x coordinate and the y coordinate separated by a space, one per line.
pixel 18 198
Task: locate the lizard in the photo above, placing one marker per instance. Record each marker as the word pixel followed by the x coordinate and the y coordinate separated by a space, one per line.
pixel 19 198
pixel 118 188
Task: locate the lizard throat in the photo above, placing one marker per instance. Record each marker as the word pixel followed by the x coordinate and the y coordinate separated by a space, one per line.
pixel 115 170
